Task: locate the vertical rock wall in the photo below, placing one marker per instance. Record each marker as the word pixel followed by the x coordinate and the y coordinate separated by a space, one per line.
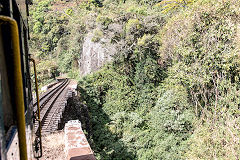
pixel 94 54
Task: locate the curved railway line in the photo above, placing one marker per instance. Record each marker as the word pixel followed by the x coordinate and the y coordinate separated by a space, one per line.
pixel 52 103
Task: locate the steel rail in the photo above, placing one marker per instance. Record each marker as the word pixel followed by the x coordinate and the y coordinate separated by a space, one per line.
pixel 49 102
pixel 48 92
pixel 52 111
pixel 49 95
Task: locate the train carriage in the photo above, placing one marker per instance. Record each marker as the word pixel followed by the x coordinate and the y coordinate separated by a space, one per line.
pixel 17 136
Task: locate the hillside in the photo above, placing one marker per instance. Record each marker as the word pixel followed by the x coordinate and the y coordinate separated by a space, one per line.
pixel 168 87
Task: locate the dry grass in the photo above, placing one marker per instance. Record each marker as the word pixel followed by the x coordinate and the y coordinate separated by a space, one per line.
pixel 53 147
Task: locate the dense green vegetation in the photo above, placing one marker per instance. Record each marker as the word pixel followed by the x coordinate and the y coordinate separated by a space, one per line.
pixel 55 39
pixel 171 90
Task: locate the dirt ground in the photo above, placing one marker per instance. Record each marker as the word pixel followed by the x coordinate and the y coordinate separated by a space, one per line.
pixel 53 146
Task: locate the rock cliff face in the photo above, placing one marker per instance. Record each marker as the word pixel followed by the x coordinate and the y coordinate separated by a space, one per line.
pixel 94 54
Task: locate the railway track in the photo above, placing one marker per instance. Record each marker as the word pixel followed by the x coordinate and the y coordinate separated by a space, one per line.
pixel 46 94
pixel 51 102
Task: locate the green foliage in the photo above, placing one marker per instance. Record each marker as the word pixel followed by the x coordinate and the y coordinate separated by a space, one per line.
pixel 215 139
pixel 46 72
pixel 69 11
pixel 172 89
pixel 125 123
pixel 171 119
pixel 143 41
pixel 96 2
pixel 73 73
pixel 97 35
pixel 174 106
pixel 204 58
pixel 37 27
pixel 94 88
pixel 46 28
pixel 55 36
pixel 104 20
pixel 170 5
pixel 132 25
pixel 149 2
pixel 147 72
pixel 138 10
pixel 121 100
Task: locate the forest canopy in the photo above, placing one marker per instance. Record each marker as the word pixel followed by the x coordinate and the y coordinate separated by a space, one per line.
pixel 171 90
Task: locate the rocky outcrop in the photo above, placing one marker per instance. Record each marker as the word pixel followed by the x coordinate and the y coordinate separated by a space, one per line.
pixel 94 54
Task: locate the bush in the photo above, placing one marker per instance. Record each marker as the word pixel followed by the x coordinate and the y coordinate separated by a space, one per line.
pixel 103 20
pixel 171 120
pixel 200 47
pixel 138 10
pixel 98 34
pixel 132 25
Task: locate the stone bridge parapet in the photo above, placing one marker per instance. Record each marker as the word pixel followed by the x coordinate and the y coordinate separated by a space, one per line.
pixel 76 144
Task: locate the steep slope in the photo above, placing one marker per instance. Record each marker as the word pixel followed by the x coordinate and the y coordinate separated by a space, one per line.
pixel 170 89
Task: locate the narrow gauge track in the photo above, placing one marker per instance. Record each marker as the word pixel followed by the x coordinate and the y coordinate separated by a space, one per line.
pixel 48 105
pixel 46 94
